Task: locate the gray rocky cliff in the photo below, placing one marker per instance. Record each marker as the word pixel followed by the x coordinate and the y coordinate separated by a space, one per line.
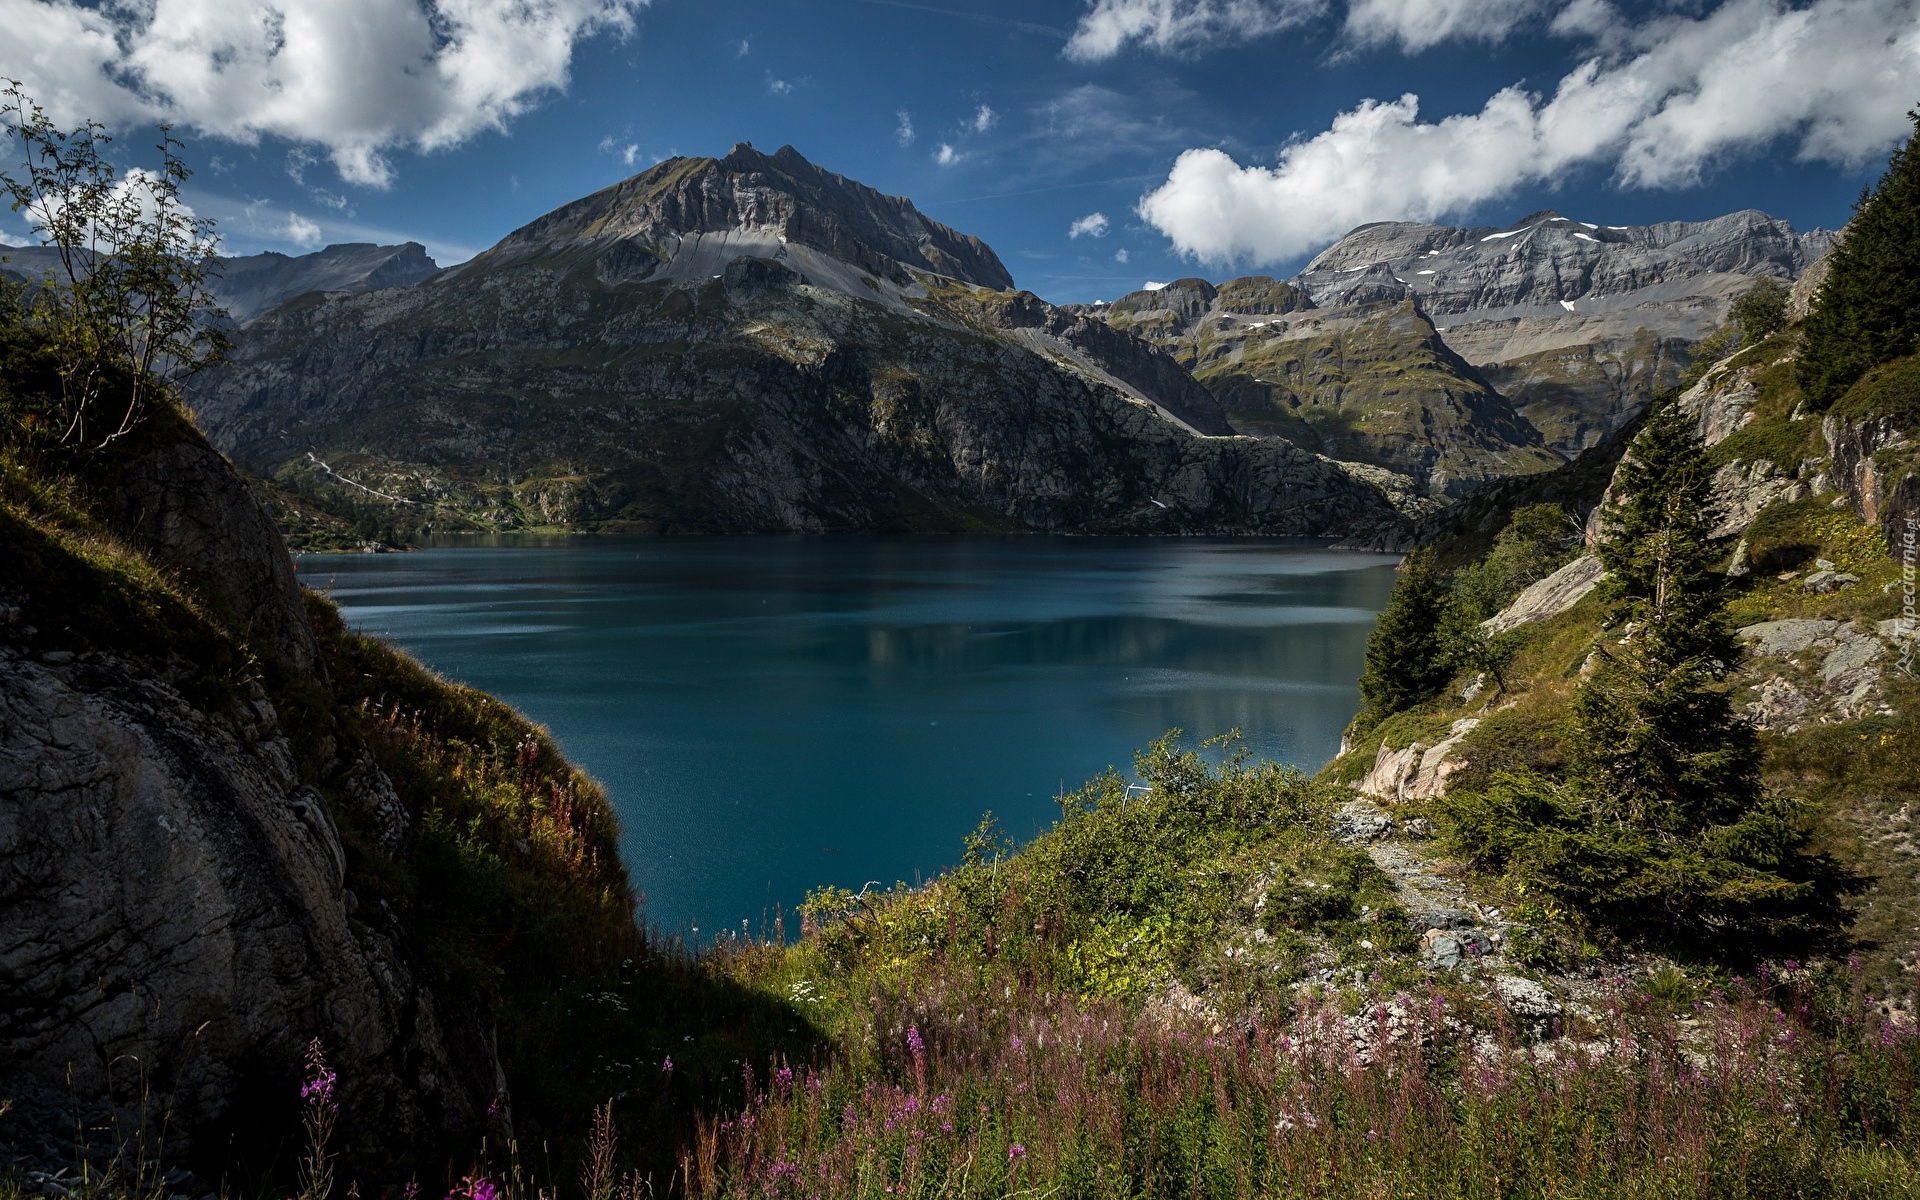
pixel 179 500
pixel 177 917
pixel 177 923
pixel 1873 466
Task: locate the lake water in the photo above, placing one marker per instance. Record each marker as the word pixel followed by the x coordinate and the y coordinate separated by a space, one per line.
pixel 771 714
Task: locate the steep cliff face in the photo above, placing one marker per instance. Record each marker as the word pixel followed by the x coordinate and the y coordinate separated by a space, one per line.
pixel 177 894
pixel 1874 434
pixel 752 344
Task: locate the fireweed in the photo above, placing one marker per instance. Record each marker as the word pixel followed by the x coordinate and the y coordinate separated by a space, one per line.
pixel 319 1112
pixel 1763 1091
pixel 975 1052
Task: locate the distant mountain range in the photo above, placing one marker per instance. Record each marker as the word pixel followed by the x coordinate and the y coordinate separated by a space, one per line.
pixel 250 284
pixel 1457 355
pixel 754 343
pixel 747 344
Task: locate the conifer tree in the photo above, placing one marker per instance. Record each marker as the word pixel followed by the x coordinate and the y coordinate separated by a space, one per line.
pixel 1868 310
pixel 1659 827
pixel 1406 660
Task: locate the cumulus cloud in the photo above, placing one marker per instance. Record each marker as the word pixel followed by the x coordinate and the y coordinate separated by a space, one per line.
pixel 1091 225
pixel 1420 24
pixel 946 155
pixel 356 78
pixel 12 239
pixel 302 232
pixel 1120 255
pixel 778 87
pixel 1833 79
pixel 903 133
pixel 984 119
pixel 1180 26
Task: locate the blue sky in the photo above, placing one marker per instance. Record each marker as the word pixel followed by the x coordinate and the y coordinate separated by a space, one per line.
pixel 1256 130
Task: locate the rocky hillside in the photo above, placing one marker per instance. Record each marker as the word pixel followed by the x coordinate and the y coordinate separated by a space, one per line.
pixel 1810 517
pixel 230 828
pixel 250 284
pixel 1462 355
pixel 752 344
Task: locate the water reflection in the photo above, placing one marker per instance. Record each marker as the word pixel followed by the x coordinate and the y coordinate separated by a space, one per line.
pixel 774 713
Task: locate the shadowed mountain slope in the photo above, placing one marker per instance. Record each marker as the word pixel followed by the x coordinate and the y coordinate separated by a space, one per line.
pixel 750 344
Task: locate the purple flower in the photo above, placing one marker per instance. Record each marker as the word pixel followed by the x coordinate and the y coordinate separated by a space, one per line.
pixel 666 1065
pixel 783 1078
pixel 474 1188
pixel 317 1090
pixel 913 1041
pixel 1016 1152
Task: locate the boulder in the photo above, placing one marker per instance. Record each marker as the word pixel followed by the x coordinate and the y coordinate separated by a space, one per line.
pixel 1550 596
pixel 1782 638
pixel 1417 771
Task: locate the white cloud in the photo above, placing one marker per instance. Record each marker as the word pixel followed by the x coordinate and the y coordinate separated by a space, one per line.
pixel 904 132
pixel 1151 286
pixel 357 78
pixel 778 87
pixel 1120 255
pixel 946 155
pixel 302 232
pixel 746 47
pixel 13 239
pixel 1180 26
pixel 1684 94
pixel 1092 225
pixel 983 119
pixel 1419 24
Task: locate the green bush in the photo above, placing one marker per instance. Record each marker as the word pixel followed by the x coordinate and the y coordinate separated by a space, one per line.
pixel 1760 311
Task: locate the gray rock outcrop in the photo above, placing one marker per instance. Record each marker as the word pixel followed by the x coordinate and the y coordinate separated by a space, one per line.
pixel 1549 597
pixel 1806 672
pixel 176 917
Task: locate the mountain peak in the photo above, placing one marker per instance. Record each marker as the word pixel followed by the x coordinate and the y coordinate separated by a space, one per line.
pixel 749 203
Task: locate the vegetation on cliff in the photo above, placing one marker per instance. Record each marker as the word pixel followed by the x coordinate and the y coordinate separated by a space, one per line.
pixel 1868 309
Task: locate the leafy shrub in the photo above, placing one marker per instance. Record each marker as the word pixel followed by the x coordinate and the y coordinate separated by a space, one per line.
pixel 1760 311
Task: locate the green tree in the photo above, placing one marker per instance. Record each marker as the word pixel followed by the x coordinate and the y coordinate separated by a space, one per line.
pixel 1760 311
pixel 1868 311
pixel 1659 828
pixel 1406 659
pixel 1536 542
pixel 129 313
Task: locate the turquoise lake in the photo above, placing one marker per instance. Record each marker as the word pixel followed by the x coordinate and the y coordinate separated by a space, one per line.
pixel 770 714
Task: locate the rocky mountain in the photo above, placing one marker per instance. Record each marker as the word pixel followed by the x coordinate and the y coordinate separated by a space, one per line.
pixel 746 344
pixel 1461 355
pixel 250 284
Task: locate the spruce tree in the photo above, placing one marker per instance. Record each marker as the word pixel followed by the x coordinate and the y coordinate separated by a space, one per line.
pixel 1406 660
pixel 1868 310
pixel 1659 827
